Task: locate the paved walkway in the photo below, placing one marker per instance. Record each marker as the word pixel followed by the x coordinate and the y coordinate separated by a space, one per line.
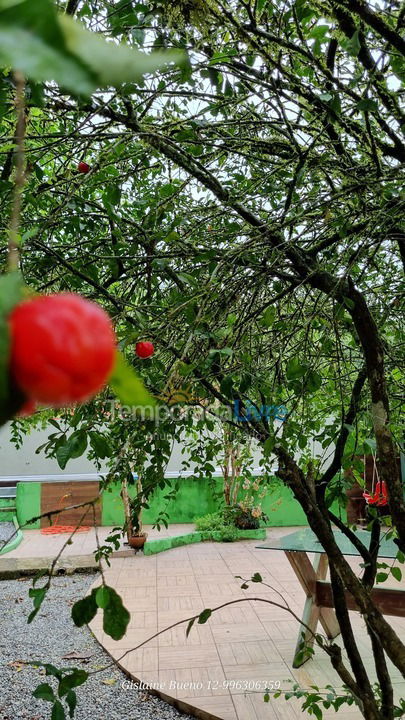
pixel 35 544
pixel 36 551
pixel 220 671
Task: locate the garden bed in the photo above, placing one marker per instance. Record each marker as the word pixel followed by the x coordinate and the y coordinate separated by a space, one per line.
pixel 156 546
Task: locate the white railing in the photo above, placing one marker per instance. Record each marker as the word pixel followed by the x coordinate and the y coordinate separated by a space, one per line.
pixel 88 477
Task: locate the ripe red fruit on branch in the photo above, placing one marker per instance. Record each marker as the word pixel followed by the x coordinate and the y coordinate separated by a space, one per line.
pixel 62 348
pixel 144 349
pixel 83 167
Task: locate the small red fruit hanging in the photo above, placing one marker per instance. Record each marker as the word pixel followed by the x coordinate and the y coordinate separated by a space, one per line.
pixel 63 348
pixel 83 167
pixel 144 349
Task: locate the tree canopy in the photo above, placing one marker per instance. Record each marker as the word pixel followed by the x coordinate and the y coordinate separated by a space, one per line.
pixel 243 210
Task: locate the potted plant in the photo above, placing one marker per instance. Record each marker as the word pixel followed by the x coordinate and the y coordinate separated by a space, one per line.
pixel 136 537
pixel 249 514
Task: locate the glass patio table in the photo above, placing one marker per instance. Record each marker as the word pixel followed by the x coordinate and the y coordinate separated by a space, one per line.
pixel 319 597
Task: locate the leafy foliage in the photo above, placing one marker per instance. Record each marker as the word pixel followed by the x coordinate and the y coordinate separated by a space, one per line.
pixel 115 616
pixel 46 45
pixel 67 679
pixel 244 210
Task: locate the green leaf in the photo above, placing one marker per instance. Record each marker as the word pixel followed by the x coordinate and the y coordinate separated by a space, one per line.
pixel 304 10
pixel 83 611
pixel 396 572
pixel 63 455
pixel 128 387
pixel 71 701
pixel 102 596
pixel 226 386
pixel 257 578
pixel 398 66
pixel 116 616
pixel 44 692
pixel 37 60
pixel 366 105
pixel 77 443
pixel 46 45
pixel 76 678
pixel 190 625
pixel 74 447
pixel 313 381
pixel 266 697
pixel 349 428
pixel 348 302
pixel 11 291
pixel 316 710
pixel 204 616
pixel 369 445
pixel 38 595
pixel 295 370
pixel 40 18
pixel 51 670
pixel 112 64
pixel 268 316
pixel 100 445
pixel 58 712
pixel 353 45
pixel 268 445
pixel 381 577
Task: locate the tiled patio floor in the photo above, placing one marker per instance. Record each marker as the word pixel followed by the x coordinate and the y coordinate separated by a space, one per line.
pixel 35 544
pixel 215 669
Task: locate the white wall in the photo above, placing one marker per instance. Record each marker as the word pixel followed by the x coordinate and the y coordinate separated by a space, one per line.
pixel 26 462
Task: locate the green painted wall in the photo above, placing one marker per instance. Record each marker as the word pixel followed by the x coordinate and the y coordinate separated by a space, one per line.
pixel 112 511
pixel 281 508
pixel 28 503
pixel 7 516
pixel 196 498
pixel 193 499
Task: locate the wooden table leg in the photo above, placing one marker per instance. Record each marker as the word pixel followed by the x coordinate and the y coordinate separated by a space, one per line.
pixel 308 574
pixel 327 616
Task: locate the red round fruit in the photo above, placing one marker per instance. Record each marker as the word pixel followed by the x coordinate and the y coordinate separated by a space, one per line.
pixel 144 349
pixel 62 348
pixel 83 167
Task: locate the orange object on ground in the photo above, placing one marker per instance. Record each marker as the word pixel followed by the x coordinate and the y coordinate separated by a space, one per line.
pixel 60 529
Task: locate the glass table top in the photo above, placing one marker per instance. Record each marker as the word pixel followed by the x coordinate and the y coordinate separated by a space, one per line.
pixel 306 541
